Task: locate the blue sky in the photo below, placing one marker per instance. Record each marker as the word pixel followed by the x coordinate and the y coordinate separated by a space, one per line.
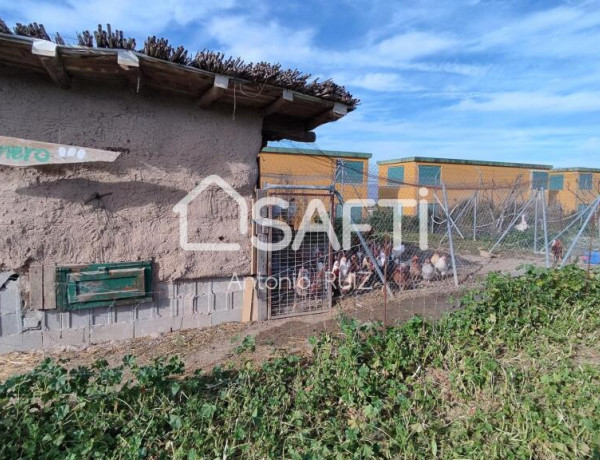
pixel 505 80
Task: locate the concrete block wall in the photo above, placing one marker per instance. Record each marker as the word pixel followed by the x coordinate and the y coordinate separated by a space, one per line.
pixel 176 306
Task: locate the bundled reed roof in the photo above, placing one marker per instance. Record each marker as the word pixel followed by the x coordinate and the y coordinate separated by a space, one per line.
pixel 211 61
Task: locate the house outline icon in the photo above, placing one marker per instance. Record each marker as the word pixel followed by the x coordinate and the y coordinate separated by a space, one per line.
pixel 181 208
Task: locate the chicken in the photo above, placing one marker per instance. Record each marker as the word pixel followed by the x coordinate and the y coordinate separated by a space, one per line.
pixel 303 282
pixel 428 270
pixel 434 258
pixel 344 267
pixel 522 226
pixel 556 247
pixel 398 251
pixel 381 259
pixel 415 269
pixel 441 265
pixel 401 276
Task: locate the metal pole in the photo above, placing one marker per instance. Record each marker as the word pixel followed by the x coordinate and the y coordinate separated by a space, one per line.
pixel 514 221
pixel 450 241
pixel 447 211
pixel 591 213
pixel 535 224
pixel 547 251
pixel 365 246
pixel 385 288
pixel 475 216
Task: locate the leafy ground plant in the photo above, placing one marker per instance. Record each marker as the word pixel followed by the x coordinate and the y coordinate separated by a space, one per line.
pixel 513 374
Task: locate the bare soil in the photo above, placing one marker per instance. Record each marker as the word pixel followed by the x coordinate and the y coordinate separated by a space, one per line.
pixel 206 348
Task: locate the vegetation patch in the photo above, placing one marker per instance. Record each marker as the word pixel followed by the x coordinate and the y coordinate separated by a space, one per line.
pixel 513 374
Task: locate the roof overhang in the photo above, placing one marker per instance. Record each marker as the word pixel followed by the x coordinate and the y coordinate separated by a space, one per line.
pixel 287 114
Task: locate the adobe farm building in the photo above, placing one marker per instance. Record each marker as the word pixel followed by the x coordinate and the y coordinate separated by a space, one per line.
pixel 402 178
pixel 100 149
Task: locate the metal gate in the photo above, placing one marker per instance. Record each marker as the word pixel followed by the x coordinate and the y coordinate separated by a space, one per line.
pixel 298 280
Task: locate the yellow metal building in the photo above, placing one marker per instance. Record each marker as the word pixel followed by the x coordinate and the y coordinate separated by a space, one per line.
pixel 573 188
pixel 402 178
pixel 278 165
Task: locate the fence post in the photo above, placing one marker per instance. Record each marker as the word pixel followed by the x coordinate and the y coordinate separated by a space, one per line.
pixel 535 221
pixel 544 214
pixel 591 213
pixel 475 216
pixel 450 240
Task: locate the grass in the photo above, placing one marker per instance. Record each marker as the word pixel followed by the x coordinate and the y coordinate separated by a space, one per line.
pixel 514 374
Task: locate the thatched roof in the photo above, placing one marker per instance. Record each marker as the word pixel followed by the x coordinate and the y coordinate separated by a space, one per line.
pixel 211 61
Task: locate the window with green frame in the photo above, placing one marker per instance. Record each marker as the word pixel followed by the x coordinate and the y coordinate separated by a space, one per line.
pixel 430 175
pixel 352 172
pixel 585 181
pixel 395 175
pixel 539 180
pixel 557 182
pixel 355 213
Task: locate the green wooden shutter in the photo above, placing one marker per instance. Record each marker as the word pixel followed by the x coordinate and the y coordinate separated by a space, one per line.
pixel 102 285
pixel 430 175
pixel 585 181
pixel 557 182
pixel 395 175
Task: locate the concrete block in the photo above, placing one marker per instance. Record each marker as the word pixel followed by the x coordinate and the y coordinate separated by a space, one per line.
pixel 229 316
pixel 108 332
pixel 10 299
pixel 144 311
pixel 79 319
pixel 21 342
pixel 165 311
pixel 221 301
pixel 124 314
pixel 10 325
pixel 66 337
pixel 55 320
pixel 237 300
pixel 101 316
pixel 154 326
pixel 227 285
pixel 193 322
pixel 32 320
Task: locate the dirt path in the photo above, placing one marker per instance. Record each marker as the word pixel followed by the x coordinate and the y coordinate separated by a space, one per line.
pixel 206 348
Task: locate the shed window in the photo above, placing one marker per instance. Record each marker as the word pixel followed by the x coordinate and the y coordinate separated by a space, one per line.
pixel 539 180
pixel 585 181
pixel 395 175
pixel 583 207
pixel 351 172
pixel 557 182
pixel 430 175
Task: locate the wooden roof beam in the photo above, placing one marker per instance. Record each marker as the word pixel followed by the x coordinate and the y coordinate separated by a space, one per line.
pixel 130 63
pixel 215 92
pixel 50 59
pixel 286 97
pixel 335 113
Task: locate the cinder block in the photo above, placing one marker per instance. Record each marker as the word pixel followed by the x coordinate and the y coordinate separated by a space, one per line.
pixel 10 325
pixel 193 321
pixel 66 337
pixel 21 342
pixel 229 316
pixel 55 320
pixel 154 326
pixel 79 319
pixel 108 332
pixel 32 320
pixel 144 311
pixel 221 301
pixel 237 300
pixel 101 316
pixel 124 314
pixel 10 300
pixel 227 285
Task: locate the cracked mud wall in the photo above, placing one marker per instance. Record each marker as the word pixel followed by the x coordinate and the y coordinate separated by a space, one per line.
pixel 123 211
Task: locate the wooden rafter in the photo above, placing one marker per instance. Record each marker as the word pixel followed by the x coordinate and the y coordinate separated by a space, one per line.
pixel 335 113
pixel 286 97
pixel 50 59
pixel 215 92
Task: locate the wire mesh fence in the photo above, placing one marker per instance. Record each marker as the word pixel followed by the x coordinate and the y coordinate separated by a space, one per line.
pixel 437 238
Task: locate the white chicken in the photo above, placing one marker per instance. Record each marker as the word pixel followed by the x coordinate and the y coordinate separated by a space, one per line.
pixel 344 267
pixel 442 265
pixel 381 259
pixel 428 270
pixel 522 226
pixel 398 251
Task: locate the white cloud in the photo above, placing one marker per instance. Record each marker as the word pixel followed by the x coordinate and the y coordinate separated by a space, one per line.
pixel 382 81
pixel 539 102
